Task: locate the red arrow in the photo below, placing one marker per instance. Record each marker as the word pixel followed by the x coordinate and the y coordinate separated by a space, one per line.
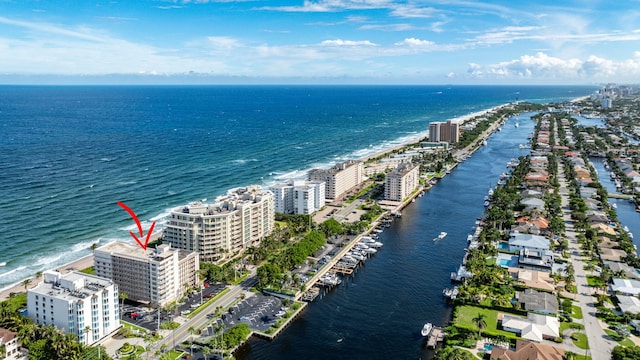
pixel 135 218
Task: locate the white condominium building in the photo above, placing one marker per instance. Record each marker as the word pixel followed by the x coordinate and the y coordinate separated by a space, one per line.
pixel 155 276
pixel 401 182
pixel 80 304
pixel 340 178
pixel 298 197
pixel 220 231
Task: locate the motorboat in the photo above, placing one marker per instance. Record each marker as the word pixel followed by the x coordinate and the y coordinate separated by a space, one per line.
pixel 441 236
pixel 426 329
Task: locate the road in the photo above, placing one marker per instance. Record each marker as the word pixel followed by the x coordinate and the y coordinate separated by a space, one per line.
pixel 600 346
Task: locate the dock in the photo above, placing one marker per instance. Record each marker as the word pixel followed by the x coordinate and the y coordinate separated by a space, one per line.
pixel 436 336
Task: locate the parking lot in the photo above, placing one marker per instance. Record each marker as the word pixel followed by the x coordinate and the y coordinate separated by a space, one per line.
pixel 146 317
pixel 259 311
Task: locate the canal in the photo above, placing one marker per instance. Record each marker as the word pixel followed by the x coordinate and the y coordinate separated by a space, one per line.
pixel 625 209
pixel 377 312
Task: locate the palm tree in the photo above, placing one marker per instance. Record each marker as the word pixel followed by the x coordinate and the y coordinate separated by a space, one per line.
pixel 26 283
pixel 93 247
pixel 86 330
pixel 192 331
pixel 38 275
pixel 480 322
pixel 122 297
pixel 206 351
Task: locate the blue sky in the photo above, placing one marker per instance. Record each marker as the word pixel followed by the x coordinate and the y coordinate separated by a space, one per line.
pixel 321 41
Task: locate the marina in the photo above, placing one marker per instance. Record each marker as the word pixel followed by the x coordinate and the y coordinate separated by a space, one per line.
pixel 405 280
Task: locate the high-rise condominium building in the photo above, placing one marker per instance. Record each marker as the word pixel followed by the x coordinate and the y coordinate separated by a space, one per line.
pixel 80 304
pixel 401 182
pixel 444 131
pixel 298 197
pixel 340 178
pixel 154 276
pixel 220 231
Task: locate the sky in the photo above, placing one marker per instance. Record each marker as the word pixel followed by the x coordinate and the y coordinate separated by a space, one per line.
pixel 320 41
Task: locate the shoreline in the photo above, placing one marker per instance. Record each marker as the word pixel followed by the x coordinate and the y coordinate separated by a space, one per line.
pixel 87 260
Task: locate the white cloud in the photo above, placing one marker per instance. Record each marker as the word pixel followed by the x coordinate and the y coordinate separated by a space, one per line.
pixel 340 42
pixel 542 66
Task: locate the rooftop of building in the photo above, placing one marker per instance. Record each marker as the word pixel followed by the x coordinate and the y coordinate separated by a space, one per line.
pixel 70 286
pixel 226 204
pixel 126 250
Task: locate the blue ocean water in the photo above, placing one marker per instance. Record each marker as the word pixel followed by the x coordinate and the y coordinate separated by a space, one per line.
pixel 68 154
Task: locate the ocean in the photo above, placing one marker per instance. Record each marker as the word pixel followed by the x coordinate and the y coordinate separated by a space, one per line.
pixel 68 154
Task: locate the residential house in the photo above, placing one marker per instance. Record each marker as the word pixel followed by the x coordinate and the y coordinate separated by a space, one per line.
pixel 535 327
pixel 533 204
pixel 526 350
pixel 629 304
pixel 538 301
pixel 12 347
pixel 541 260
pixel 625 286
pixel 519 241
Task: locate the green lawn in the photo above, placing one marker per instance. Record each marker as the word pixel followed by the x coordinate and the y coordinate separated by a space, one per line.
pixel 594 281
pixel 466 313
pixel 580 340
pixel 576 312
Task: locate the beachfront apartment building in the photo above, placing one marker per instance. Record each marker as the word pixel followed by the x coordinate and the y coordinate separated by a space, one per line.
pixel 339 179
pixel 153 276
pixel 220 231
pixel 448 131
pixel 298 197
pixel 77 303
pixel 402 181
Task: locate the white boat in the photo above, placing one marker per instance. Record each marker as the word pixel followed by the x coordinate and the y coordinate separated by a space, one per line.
pixel 441 236
pixel 614 205
pixel 426 329
pixel 517 125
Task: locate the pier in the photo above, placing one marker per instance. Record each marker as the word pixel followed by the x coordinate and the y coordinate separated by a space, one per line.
pixel 436 336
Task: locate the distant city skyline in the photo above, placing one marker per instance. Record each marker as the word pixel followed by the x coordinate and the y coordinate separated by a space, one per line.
pixel 319 41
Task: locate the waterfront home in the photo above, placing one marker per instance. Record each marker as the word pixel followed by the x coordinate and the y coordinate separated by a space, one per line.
pixel 531 193
pixel 593 204
pixel 541 260
pixel 587 192
pixel 533 279
pixel 621 268
pixel 604 229
pixel 519 241
pixel 540 177
pixel 538 301
pixel 625 286
pixel 597 217
pixel 607 253
pixel 535 327
pixel 526 350
pixel 532 203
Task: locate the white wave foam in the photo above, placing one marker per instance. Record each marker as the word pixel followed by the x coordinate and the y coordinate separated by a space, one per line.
pixel 20 268
pixel 243 161
pixel 127 182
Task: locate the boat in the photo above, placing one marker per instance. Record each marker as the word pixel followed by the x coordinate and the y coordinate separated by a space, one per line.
pixel 517 125
pixel 441 236
pixel 426 329
pixel 614 205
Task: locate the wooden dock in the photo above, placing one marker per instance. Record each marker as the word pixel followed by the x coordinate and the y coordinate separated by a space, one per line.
pixel 436 336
